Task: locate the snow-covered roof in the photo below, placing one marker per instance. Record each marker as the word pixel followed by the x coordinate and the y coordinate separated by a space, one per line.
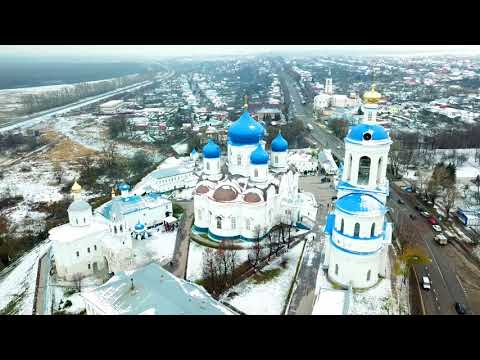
pixel 67 232
pixel 155 292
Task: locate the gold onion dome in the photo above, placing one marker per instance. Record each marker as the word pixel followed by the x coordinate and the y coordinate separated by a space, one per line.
pixel 76 188
pixel 372 97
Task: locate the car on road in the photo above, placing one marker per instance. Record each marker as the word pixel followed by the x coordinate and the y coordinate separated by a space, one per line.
pixel 441 239
pixel 432 220
pixel 460 308
pixel 437 228
pixel 425 214
pixel 401 202
pixel 408 189
pixel 426 284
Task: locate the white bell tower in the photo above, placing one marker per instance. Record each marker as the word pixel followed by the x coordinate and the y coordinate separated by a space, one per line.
pixel 329 84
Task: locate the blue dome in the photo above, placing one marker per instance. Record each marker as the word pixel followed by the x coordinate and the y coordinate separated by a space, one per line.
pixel 259 156
pixel 245 131
pixel 193 152
pixel 211 150
pixel 378 132
pixel 355 203
pixel 123 187
pixel 139 227
pixel 279 144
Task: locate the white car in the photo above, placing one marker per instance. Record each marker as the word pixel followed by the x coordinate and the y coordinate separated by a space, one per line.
pixel 437 228
pixel 426 283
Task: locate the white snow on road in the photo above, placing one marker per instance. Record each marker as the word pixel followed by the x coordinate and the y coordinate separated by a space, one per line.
pixel 267 298
pixel 20 282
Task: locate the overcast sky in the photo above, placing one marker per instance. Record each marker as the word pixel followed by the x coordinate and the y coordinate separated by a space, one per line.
pixel 161 51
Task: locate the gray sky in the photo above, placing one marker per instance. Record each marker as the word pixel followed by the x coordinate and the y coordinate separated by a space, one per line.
pixel 160 51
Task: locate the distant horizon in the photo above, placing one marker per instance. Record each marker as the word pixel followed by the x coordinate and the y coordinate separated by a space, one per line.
pixel 162 52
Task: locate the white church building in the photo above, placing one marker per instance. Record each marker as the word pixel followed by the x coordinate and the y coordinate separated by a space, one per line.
pixel 328 99
pixel 103 241
pixel 358 235
pixel 243 195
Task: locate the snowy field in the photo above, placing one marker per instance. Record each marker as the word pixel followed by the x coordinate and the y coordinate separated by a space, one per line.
pixel 18 284
pixel 269 297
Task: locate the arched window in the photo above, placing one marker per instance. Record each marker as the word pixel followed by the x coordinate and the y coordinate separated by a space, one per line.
pixel 372 230
pixel 364 170
pixel 199 215
pixel 208 166
pixel 276 159
pixel 239 159
pixel 234 223
pixel 218 165
pixel 76 220
pixel 379 170
pixel 356 230
pixel 115 229
pixel 219 222
pixel 255 173
pixel 84 221
pixel 342 226
pixel 247 224
pixel 121 228
pixel 336 269
pixel 369 273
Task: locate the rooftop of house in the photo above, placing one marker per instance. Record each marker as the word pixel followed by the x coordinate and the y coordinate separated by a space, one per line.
pixel 155 292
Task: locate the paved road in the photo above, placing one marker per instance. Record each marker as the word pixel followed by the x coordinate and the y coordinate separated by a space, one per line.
pixel 182 244
pixel 303 297
pixel 446 287
pixel 445 274
pixel 31 120
pixel 41 289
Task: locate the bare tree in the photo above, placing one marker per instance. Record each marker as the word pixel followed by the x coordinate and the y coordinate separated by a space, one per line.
pixel 449 196
pixel 77 281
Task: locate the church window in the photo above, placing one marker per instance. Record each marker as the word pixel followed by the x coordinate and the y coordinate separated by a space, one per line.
pixel 364 170
pixel 356 230
pixel 255 173
pixel 219 222
pixel 88 266
pixel 247 224
pixel 115 229
pixel 218 165
pixel 76 220
pixel 78 253
pixel 369 273
pixel 379 170
pixel 208 166
pixel 121 228
pixel 234 223
pixel 276 159
pixel 239 160
pixel 336 269
pixel 88 250
pixel 342 226
pixel 372 230
pixel 95 247
pixel 84 221
pixel 349 168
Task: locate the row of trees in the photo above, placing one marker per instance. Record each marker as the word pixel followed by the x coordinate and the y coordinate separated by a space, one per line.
pixel 17 141
pixel 43 101
pixel 221 267
pixel 339 127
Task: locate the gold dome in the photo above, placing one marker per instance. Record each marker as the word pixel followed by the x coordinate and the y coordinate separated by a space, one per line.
pixel 372 97
pixel 76 188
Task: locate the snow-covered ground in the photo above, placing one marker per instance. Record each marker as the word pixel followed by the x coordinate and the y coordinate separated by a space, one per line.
pixel 270 297
pixel 19 283
pixel 159 248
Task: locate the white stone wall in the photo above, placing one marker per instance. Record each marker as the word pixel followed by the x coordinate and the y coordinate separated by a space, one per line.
pixel 242 153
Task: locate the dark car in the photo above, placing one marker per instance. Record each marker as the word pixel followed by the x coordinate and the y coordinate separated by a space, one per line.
pixel 419 208
pixel 401 202
pixel 460 308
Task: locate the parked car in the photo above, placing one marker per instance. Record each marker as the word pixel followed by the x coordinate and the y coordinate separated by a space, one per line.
pixel 400 201
pixel 419 208
pixel 425 214
pixel 437 228
pixel 441 239
pixel 460 308
pixel 432 220
pixel 408 189
pixel 426 284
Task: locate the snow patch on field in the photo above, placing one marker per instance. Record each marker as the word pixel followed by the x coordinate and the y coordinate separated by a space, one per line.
pixel 18 281
pixel 270 297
